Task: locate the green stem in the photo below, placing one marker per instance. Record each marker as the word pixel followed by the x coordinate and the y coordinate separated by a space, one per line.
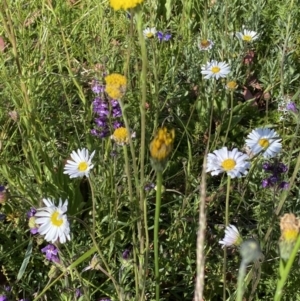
pixel 142 223
pixel 94 208
pixel 230 117
pixel 128 175
pixel 242 273
pixel 286 270
pixel 156 229
pixel 226 224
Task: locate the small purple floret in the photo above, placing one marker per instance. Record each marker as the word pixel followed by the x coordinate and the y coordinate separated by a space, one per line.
pixel 31 212
pixel 291 106
pixel 51 253
pixel 163 37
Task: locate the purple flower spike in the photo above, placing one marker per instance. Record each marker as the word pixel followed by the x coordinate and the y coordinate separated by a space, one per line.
pixel 51 253
pixel 3 298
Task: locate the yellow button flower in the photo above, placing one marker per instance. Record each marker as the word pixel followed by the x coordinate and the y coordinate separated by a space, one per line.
pixel 124 4
pixel 161 145
pixel 115 85
pixel 120 136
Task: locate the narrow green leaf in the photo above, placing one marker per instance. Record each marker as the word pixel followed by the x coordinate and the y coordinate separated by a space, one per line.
pixel 25 261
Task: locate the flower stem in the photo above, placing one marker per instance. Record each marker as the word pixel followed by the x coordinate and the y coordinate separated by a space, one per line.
pixel 285 270
pixel 94 208
pixel 156 229
pixel 142 223
pixel 226 224
pixel 230 117
pixel 242 273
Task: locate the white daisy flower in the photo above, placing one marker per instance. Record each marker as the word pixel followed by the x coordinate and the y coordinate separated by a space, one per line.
pixel 247 35
pixel 53 222
pixel 234 163
pixel 232 237
pixel 215 69
pixel 205 44
pixel 264 140
pixel 80 165
pixel 149 32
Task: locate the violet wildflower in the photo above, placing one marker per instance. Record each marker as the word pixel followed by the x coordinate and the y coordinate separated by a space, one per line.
pixel 282 168
pixel 78 293
pixel 104 112
pixel 51 253
pixel 97 88
pixel 149 186
pixel 277 169
pixel 31 212
pixel 163 36
pixel 3 298
pixel 267 166
pixel 116 109
pixel 3 194
pixel 117 124
pixel 291 106
pixel 273 180
pixel 265 183
pixel 284 185
pixel 126 254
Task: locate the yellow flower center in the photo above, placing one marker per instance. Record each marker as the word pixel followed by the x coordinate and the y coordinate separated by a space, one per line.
pixel 204 43
pixel 228 164
pixel 149 35
pixel 232 85
pixel 55 220
pixel 290 235
pixel 82 166
pixel 264 143
pixel 215 69
pixel 247 38
pixel 120 135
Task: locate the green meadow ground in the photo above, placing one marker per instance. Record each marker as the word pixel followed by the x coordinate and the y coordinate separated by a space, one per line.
pixel 51 54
